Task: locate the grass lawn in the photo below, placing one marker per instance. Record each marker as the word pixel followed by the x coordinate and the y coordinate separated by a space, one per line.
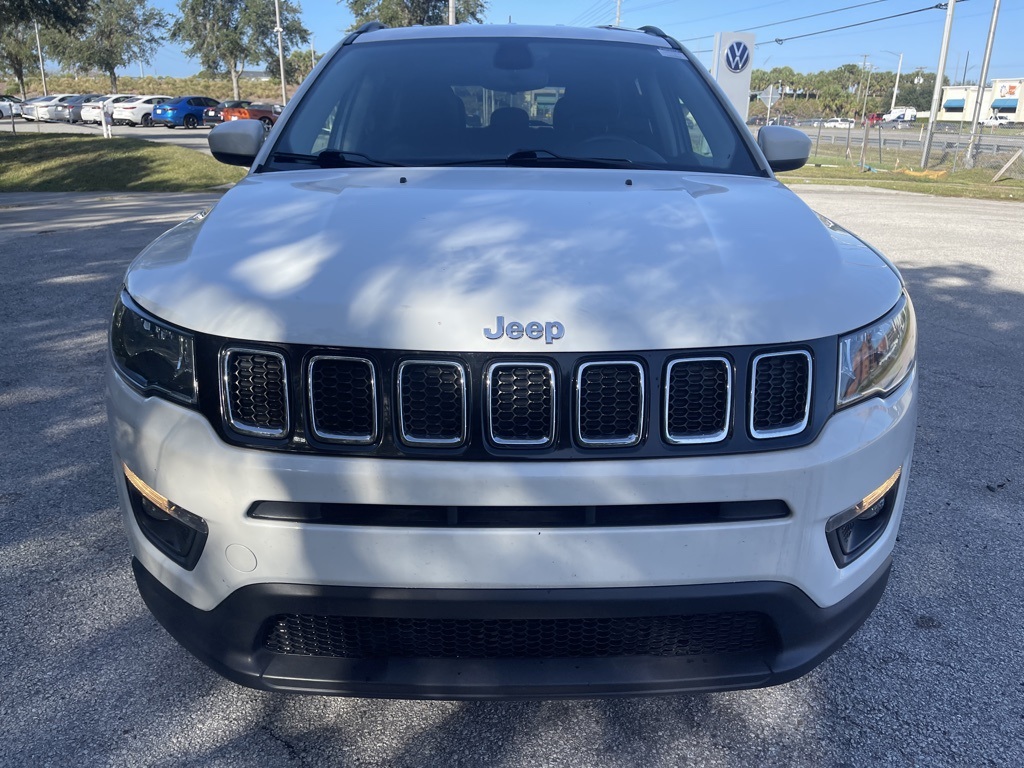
pixel 56 163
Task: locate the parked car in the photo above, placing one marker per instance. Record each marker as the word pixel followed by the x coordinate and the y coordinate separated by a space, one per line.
pixel 875 118
pixel 9 105
pixel 137 111
pixel 213 115
pixel 265 113
pixel 834 122
pixel 995 121
pixel 756 120
pixel 70 111
pixel 421 409
pixel 92 111
pixel 43 107
pixel 184 110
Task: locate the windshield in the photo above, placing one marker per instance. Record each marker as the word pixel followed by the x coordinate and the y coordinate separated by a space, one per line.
pixel 492 100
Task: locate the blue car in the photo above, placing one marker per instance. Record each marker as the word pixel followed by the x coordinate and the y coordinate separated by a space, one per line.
pixel 184 110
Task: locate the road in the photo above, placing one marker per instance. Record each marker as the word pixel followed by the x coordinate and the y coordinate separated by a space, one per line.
pixel 182 137
pixel 932 679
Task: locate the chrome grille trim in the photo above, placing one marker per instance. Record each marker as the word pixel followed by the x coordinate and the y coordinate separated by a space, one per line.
pixel 225 389
pixel 450 442
pixel 716 437
pixel 549 439
pixel 785 431
pixel 635 436
pixel 336 437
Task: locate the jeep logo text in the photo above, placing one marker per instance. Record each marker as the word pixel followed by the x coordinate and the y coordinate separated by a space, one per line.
pixel 549 331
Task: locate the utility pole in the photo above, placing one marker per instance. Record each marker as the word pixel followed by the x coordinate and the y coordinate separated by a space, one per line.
pixel 280 50
pixel 42 69
pixel 451 12
pixel 981 84
pixel 312 52
pixel 937 93
pixel 895 88
pixel 618 13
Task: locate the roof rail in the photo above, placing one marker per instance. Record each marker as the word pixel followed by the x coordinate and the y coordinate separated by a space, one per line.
pixel 658 33
pixel 370 26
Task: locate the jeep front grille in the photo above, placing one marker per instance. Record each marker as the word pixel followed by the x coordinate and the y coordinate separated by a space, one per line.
pixel 521 409
pixel 781 398
pixel 432 402
pixel 343 399
pixel 255 386
pixel 698 397
pixel 609 403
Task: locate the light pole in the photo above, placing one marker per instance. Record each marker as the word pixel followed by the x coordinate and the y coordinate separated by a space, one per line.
pixel 42 69
pixel 895 88
pixel 280 50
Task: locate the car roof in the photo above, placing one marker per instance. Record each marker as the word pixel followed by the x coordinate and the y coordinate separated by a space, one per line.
pixel 607 34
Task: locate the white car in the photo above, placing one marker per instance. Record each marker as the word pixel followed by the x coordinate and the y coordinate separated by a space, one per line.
pixel 835 122
pixel 92 111
pixel 138 110
pixel 526 384
pixel 995 121
pixel 10 105
pixel 42 107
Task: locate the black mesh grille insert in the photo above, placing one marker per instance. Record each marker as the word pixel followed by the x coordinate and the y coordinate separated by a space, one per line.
pixel 341 397
pixel 697 408
pixel 362 637
pixel 257 392
pixel 781 390
pixel 611 397
pixel 433 402
pixel 522 404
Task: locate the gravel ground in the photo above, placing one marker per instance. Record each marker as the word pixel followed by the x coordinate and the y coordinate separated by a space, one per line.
pixel 933 678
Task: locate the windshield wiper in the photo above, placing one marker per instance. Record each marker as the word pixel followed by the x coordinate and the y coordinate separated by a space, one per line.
pixel 545 158
pixel 333 158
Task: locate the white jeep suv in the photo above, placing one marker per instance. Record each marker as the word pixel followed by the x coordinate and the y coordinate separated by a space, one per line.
pixel 510 369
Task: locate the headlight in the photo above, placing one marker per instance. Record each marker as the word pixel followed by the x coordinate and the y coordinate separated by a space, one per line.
pixel 876 359
pixel 152 355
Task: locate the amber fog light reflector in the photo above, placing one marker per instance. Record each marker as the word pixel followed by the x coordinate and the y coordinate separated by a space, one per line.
pixel 854 530
pixel 176 532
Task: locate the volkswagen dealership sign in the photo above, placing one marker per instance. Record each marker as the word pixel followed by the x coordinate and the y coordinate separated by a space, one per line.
pixel 731 66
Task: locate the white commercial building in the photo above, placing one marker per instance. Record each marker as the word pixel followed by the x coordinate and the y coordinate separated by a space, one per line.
pixel 1003 97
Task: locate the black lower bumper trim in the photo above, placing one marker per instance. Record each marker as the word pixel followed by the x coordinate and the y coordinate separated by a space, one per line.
pixel 230 638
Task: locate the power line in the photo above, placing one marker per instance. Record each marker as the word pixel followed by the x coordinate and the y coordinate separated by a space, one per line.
pixel 781 40
pixel 798 18
pixel 589 12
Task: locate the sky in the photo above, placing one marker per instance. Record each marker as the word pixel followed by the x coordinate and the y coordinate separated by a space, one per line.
pixel 694 22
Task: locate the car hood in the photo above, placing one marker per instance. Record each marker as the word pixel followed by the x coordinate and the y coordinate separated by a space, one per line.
pixel 431 259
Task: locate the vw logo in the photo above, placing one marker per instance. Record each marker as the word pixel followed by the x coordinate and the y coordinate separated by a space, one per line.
pixel 737 56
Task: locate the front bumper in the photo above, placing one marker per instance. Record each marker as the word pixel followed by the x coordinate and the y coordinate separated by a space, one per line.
pixel 230 638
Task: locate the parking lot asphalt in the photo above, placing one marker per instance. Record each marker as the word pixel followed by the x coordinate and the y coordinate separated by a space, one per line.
pixel 932 679
pixel 194 138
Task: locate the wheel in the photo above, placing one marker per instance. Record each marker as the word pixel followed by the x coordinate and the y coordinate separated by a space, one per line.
pixel 267 123
pixel 190 121
pixel 147 120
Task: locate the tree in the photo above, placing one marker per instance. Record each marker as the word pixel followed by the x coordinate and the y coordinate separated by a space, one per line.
pixel 406 13
pixel 51 14
pixel 17 52
pixel 225 35
pixel 118 33
pixel 299 64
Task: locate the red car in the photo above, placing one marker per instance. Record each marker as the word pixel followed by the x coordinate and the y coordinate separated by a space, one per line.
pixel 265 113
pixel 874 118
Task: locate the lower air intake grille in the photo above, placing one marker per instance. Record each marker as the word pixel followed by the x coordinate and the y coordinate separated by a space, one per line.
pixel 256 392
pixel 782 394
pixel 362 637
pixel 522 404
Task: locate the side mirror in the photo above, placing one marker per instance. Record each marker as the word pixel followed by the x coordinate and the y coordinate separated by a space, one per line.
pixel 237 142
pixel 786 149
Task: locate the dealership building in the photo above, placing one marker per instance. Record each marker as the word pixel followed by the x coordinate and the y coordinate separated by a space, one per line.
pixel 1003 97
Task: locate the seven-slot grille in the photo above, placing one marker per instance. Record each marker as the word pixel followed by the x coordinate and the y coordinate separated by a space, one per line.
pixel 343 399
pixel 256 392
pixel 517 402
pixel 432 402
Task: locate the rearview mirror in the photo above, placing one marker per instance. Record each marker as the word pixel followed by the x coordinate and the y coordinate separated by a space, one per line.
pixel 785 149
pixel 237 142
